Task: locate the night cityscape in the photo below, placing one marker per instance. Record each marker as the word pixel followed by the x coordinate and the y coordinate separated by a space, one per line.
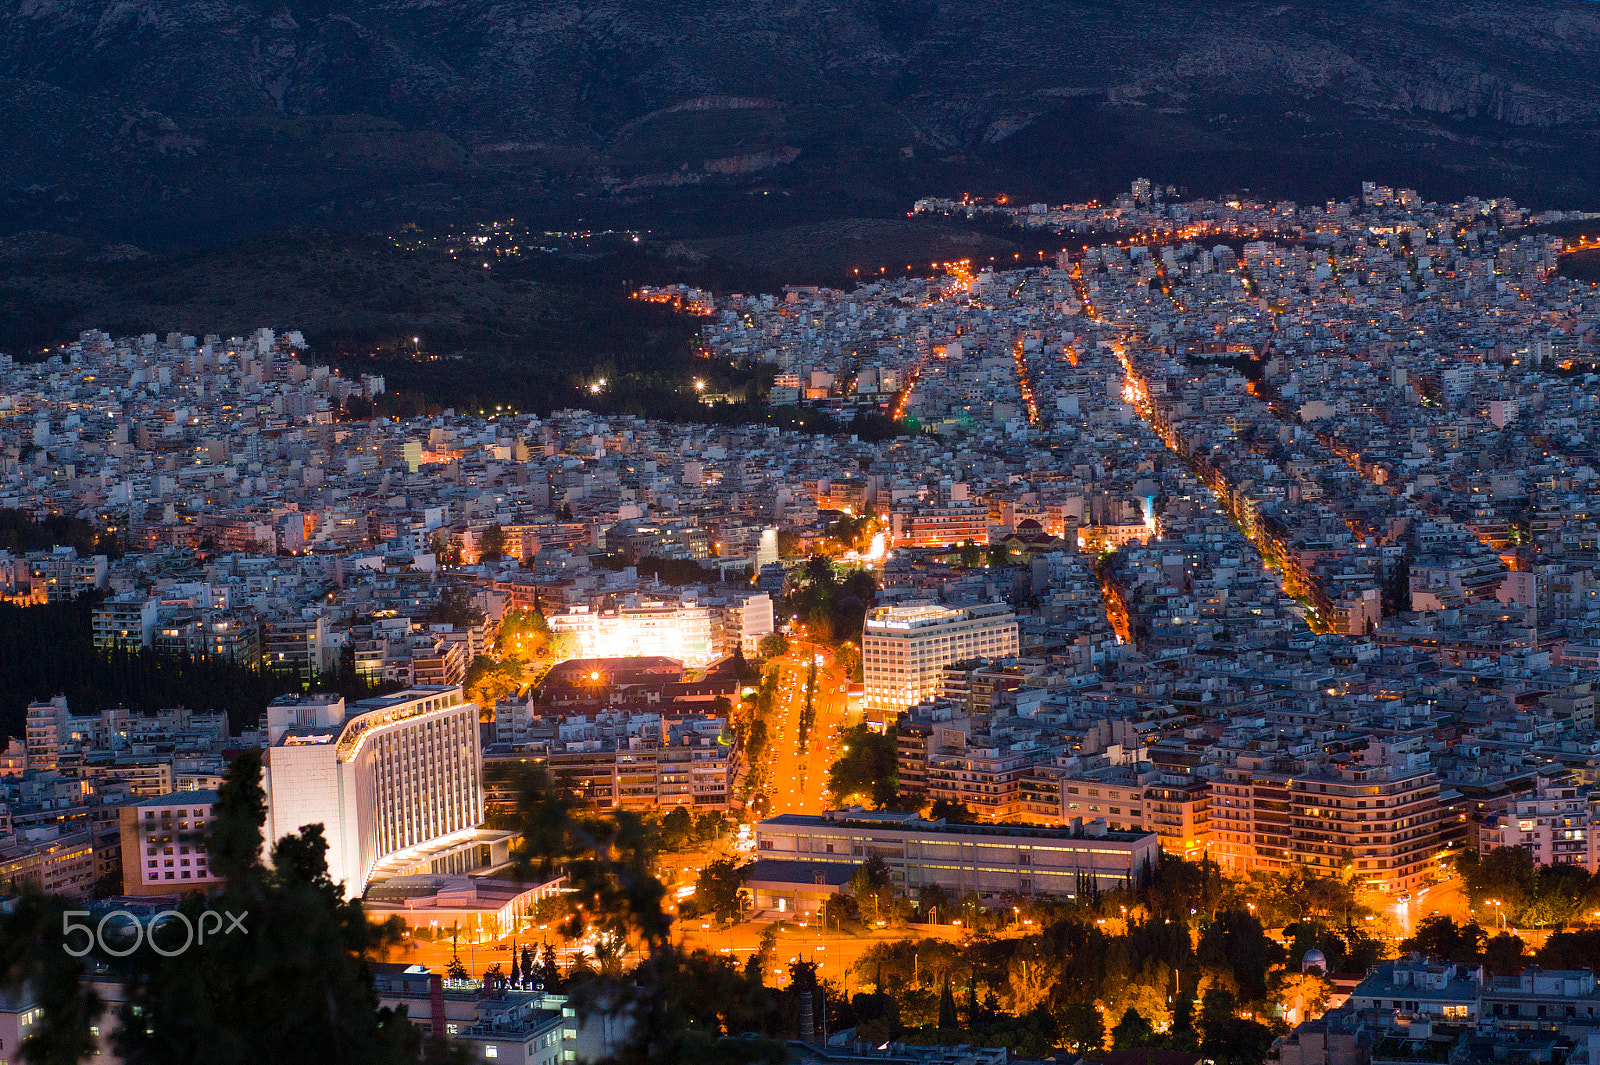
pixel 601 534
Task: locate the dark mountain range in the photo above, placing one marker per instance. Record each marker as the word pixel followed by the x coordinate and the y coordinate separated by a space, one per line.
pixel 174 123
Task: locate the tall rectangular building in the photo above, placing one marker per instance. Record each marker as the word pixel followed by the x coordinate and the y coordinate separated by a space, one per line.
pixel 904 649
pixel 396 782
pixel 164 844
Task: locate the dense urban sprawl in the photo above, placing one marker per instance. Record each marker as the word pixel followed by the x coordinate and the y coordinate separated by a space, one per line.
pixel 1259 535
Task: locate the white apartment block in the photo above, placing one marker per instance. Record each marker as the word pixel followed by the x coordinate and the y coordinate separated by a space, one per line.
pixel 164 844
pixel 396 782
pixel 1557 825
pixel 905 648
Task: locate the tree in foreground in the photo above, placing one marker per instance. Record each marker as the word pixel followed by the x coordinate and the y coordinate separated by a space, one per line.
pixel 293 984
pixel 289 982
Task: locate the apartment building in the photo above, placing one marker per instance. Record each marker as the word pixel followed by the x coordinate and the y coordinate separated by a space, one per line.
pixel 125 622
pixel 1558 824
pixel 905 648
pixel 164 844
pixel 680 762
pixel 643 628
pixel 298 645
pixel 50 861
pixel 1384 817
pixel 988 780
pixel 228 635
pixel 45 727
pixel 938 526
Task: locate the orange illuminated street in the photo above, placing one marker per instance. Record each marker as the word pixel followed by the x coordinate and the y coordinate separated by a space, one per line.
pixel 799 772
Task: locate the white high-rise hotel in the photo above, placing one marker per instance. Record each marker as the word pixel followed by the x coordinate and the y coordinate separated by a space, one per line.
pixel 396 782
pixel 905 648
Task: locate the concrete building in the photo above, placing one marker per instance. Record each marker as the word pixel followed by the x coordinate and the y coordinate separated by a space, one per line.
pixel 164 844
pixel 49 860
pixel 1418 987
pixel 395 781
pixel 643 628
pixel 1556 824
pixel 987 859
pixel 1384 817
pixel 124 622
pixel 508 1027
pixel 905 648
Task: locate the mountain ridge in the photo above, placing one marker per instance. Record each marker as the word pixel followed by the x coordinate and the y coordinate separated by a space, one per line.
pixel 136 119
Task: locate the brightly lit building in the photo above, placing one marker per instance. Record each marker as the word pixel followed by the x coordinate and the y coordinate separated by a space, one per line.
pixel 643 628
pixel 1381 817
pixel 803 858
pixel 905 648
pixel 396 782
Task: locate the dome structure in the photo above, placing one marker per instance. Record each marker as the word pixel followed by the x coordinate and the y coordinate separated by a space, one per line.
pixel 1314 959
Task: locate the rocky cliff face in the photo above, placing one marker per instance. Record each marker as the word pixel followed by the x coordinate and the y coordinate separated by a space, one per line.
pixel 148 110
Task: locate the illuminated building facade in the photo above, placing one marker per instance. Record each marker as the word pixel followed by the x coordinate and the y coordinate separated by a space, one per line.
pixel 396 782
pixel 904 649
pixel 991 860
pixel 925 526
pixel 1385 819
pixel 647 629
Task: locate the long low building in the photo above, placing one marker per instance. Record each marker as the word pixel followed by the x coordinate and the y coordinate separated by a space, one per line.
pixel 990 860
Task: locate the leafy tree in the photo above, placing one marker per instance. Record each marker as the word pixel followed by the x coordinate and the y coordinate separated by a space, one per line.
pixel 872 886
pixel 523 634
pixel 832 608
pixel 1132 1031
pixel 33 950
pixel 1182 1034
pixel 488 680
pixel 457 606
pixel 1308 990
pixel 867 767
pixel 848 657
pixel 933 900
pixel 607 860
pixel 755 966
pixel 492 543
pixel 773 645
pixel 1558 896
pixel 720 889
pixel 676 828
pixel 1235 946
pixel 1508 875
pixel 1229 1038
pixel 1503 954
pixel 565 646
pixel 957 813
pixel 1082 1027
pixel 1438 936
pixel 840 912
pixel 296 986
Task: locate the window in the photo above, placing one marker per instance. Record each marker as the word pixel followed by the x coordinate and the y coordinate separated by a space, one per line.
pixel 491 1051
